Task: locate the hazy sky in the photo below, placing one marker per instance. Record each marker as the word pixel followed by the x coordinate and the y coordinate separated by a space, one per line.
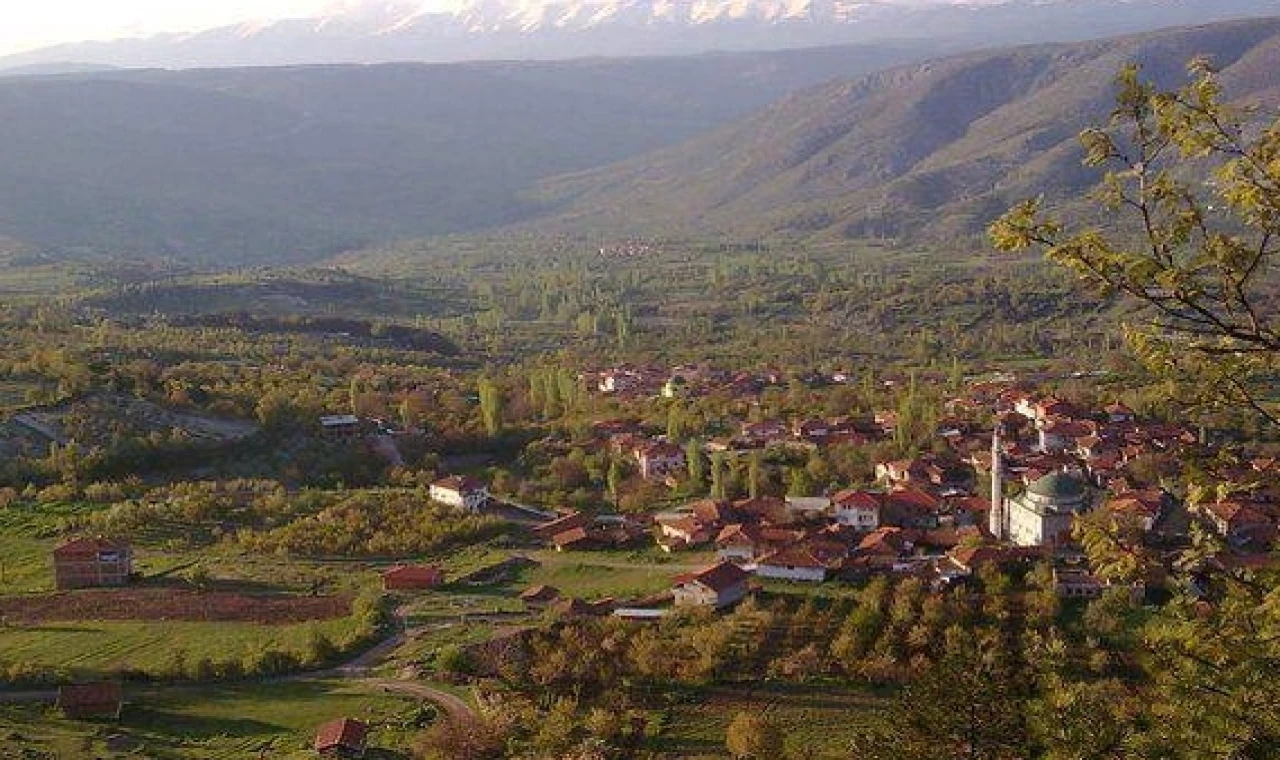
pixel 28 24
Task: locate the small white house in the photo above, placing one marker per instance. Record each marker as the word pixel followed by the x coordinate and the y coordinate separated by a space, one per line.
pixel 717 586
pixel 737 543
pixel 457 491
pixel 792 564
pixel 857 509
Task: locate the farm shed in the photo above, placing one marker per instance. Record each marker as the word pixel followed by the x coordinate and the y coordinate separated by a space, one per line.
pixel 412 577
pixel 92 562
pixel 342 738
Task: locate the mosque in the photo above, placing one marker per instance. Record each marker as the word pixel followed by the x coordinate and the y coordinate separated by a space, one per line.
pixel 1042 514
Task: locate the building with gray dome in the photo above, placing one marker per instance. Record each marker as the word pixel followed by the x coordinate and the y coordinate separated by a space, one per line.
pixel 1042 514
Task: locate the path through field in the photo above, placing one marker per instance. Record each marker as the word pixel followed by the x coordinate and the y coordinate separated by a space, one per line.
pixel 355 670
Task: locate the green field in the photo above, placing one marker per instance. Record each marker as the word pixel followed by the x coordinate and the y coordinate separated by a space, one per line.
pixel 27 536
pixel 618 574
pixel 153 646
pixel 247 720
pixel 25 565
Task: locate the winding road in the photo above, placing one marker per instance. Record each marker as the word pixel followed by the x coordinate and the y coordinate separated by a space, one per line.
pixel 355 670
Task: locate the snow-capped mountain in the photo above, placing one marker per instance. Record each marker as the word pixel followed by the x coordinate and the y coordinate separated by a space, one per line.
pixel 450 30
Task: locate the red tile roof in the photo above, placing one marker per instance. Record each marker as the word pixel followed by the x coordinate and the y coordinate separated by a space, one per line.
pixel 82 546
pixel 425 574
pixel 718 577
pixel 794 556
pixel 342 733
pixel 570 537
pixel 459 483
pixel 852 497
pixel 560 524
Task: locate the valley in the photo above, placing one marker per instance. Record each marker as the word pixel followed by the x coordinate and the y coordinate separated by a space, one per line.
pixel 798 405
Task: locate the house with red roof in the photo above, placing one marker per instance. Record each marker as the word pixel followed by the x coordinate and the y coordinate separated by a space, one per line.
pixel 889 542
pixel 795 563
pixel 569 521
pixel 1241 523
pixel 1118 413
pixel 92 562
pixel 856 508
pixel 658 459
pixel 409 577
pixel 573 539
pixel 739 543
pixel 716 587
pixel 1143 507
pixel 342 738
pixel 910 507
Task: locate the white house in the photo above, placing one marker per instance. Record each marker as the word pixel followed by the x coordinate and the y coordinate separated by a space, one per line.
pixel 717 586
pixel 857 509
pixel 679 531
pixel 737 543
pixel 1042 515
pixel 462 492
pixel 795 563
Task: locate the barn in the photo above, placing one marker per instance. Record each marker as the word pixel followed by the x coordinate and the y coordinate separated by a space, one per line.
pixel 410 577
pixel 92 562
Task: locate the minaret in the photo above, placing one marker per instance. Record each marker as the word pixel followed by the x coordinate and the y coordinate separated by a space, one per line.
pixel 995 518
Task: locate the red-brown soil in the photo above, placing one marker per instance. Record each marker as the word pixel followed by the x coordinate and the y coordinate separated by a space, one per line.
pixel 171 604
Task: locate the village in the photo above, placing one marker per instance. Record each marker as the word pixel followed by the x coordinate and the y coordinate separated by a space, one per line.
pixel 1008 474
pixel 1046 462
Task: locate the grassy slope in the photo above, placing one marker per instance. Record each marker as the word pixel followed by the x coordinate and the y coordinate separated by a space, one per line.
pixel 26 540
pixel 234 721
pixel 152 645
pixel 945 146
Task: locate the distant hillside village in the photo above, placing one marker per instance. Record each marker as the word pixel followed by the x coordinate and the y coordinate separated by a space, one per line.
pixel 1005 477
pixel 1008 475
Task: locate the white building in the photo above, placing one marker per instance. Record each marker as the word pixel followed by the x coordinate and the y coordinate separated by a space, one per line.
pixel 1042 515
pixel 457 491
pixel 717 586
pixel 857 509
pixel 792 564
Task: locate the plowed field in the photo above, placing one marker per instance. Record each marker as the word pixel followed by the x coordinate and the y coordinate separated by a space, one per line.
pixel 171 604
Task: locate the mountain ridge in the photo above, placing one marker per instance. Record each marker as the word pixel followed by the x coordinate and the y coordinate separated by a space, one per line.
pixel 557 29
pixel 935 149
pixel 297 163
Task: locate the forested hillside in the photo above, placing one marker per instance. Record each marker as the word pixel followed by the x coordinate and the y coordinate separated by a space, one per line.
pixel 927 150
pixel 287 164
pixel 296 164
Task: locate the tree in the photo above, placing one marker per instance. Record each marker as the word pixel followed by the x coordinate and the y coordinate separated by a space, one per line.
pixel 751 736
pixel 755 475
pixel 490 406
pixel 719 489
pixel 675 423
pixel 696 461
pixel 613 483
pixel 969 705
pixel 1194 191
pixel 1197 254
